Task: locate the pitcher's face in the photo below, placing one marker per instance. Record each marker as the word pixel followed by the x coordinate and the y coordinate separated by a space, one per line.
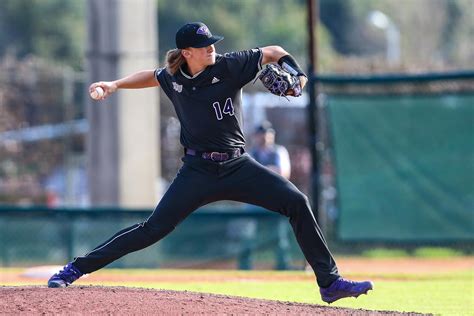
pixel 204 56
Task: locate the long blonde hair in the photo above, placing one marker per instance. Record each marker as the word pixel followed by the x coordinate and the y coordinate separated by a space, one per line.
pixel 174 60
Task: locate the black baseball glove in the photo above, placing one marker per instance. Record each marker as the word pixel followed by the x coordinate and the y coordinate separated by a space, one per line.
pixel 279 81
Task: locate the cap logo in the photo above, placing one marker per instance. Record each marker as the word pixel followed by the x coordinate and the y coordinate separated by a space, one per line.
pixel 203 30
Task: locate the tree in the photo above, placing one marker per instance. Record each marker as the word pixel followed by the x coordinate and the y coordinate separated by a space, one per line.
pixel 245 24
pixel 51 29
pixel 350 35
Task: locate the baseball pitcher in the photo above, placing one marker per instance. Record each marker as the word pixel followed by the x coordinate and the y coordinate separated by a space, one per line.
pixel 205 89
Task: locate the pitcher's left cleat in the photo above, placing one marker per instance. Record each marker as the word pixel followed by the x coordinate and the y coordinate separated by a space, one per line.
pixel 65 277
pixel 344 288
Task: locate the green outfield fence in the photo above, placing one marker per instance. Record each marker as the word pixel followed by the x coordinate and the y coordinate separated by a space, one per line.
pixel 231 237
pixel 402 147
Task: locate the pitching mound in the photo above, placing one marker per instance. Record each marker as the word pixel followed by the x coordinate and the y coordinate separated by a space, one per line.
pixel 93 300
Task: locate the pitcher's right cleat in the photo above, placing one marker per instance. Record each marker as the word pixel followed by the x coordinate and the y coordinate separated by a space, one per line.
pixel 65 277
pixel 344 288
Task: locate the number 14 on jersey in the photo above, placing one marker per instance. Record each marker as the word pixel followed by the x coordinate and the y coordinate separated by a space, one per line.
pixel 228 109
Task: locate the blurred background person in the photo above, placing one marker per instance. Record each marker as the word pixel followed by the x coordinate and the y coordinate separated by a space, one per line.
pixel 273 156
pixel 276 158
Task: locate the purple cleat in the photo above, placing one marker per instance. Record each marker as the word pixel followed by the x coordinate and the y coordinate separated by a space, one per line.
pixel 344 288
pixel 65 277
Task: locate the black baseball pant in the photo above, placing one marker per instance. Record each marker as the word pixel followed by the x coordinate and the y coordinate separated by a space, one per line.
pixel 200 182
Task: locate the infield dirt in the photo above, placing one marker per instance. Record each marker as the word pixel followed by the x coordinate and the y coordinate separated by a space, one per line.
pixel 97 300
pixel 84 299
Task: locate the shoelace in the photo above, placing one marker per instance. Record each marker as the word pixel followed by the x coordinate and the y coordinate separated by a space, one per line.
pixel 69 274
pixel 344 284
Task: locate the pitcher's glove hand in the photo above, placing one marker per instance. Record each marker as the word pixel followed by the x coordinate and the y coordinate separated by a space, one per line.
pixel 280 82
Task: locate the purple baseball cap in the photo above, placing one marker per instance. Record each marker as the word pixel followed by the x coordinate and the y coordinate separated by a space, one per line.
pixel 195 34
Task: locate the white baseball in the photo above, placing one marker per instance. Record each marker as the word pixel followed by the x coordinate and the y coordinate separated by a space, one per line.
pixel 97 93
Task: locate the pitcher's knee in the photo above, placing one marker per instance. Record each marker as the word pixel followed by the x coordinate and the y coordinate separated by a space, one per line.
pixel 300 200
pixel 157 231
pixel 297 203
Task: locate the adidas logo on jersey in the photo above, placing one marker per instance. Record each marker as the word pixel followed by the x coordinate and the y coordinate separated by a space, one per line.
pixel 215 80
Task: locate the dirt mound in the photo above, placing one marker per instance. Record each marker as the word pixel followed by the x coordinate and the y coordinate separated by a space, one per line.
pixel 94 300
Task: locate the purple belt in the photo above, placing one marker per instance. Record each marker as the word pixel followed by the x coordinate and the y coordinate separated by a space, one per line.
pixel 215 155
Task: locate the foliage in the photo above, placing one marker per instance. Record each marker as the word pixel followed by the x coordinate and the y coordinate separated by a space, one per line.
pixel 51 29
pixel 29 97
pixel 245 24
pixel 433 32
pixel 350 35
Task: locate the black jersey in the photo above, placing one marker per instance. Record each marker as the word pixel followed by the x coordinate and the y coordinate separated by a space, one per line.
pixel 209 105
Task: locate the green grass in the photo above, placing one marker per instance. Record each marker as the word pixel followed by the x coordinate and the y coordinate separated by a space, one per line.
pixel 436 252
pixel 421 252
pixel 440 294
pixel 446 297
